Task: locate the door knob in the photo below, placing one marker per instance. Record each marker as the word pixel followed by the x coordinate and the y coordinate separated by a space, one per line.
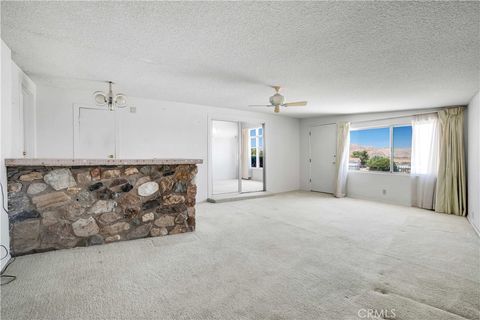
pixel 110 156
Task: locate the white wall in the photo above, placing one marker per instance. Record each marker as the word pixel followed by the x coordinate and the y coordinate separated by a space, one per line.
pixel 11 127
pixel 473 165
pixel 165 129
pixel 364 185
pixel 370 186
pixel 225 150
pixel 5 111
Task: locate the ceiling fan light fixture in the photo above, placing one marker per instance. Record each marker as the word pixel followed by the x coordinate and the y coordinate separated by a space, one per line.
pixel 277 99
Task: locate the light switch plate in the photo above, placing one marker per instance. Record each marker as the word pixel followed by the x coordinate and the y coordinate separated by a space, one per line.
pixel 133 110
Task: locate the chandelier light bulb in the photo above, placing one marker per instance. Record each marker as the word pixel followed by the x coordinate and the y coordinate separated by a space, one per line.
pixel 101 98
pixel 121 100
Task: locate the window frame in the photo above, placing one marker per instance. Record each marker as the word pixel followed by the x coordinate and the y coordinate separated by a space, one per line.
pixel 390 127
pixel 257 147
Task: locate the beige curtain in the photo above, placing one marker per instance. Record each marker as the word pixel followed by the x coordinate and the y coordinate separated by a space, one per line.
pixel 451 184
pixel 343 147
pixel 245 154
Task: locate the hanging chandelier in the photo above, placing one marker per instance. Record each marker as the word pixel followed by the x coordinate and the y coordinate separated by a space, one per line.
pixel 109 99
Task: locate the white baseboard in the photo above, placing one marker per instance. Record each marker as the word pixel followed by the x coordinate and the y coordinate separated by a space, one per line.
pixel 473 225
pixel 387 201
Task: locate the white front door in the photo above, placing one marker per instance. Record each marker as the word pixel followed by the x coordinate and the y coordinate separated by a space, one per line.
pixel 322 158
pixel 95 133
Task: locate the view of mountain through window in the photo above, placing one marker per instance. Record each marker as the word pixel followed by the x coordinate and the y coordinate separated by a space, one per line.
pixel 402 149
pixel 370 149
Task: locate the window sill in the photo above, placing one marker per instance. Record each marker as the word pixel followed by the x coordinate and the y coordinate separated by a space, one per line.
pixel 402 174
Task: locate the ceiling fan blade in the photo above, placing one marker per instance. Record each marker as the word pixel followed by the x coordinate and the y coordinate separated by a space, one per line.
pixel 295 104
pixel 260 105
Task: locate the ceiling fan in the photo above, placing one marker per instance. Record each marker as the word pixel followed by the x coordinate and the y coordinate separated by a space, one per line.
pixel 277 101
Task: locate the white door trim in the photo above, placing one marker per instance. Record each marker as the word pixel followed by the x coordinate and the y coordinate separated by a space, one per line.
pixel 25 84
pixel 76 128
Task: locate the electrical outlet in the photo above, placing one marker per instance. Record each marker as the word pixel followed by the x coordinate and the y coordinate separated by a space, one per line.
pixel 133 110
pixel 384 192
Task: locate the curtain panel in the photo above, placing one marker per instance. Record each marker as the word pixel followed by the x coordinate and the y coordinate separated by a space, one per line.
pixel 425 145
pixel 343 150
pixel 451 183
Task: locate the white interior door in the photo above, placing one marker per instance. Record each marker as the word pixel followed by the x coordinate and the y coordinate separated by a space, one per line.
pixel 96 133
pixel 323 158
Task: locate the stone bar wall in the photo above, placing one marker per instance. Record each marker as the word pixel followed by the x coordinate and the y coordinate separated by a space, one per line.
pixel 63 207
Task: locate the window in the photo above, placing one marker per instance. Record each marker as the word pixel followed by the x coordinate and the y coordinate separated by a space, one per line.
pixel 373 149
pixel 256 148
pixel 402 148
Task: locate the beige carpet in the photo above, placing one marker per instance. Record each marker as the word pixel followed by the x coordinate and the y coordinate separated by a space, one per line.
pixel 293 256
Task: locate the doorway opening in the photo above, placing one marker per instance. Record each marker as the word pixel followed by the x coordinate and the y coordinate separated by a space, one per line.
pixel 95 133
pixel 237 157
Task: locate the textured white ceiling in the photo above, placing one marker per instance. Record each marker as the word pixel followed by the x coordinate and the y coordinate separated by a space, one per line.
pixel 343 57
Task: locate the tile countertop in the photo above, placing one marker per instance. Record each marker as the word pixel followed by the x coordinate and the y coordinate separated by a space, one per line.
pixel 95 162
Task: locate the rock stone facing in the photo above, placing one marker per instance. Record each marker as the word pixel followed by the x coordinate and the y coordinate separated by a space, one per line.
pixel 63 207
pixel 147 189
pixel 60 179
pixel 37 187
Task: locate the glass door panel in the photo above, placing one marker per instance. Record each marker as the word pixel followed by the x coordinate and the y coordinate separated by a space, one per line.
pixel 253 152
pixel 225 157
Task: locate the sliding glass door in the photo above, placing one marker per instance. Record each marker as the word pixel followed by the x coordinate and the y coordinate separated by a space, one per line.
pixel 237 157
